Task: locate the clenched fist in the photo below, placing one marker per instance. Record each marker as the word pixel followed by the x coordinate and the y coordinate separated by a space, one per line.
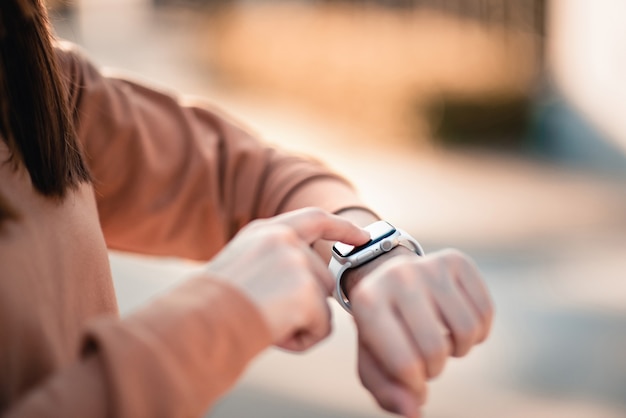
pixel 271 261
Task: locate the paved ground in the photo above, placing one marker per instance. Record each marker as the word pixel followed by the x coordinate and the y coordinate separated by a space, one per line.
pixel 550 242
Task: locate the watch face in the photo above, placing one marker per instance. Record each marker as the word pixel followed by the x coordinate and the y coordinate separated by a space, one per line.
pixel 377 230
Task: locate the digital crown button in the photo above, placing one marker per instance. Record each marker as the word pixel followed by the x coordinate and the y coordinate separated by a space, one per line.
pixel 386 245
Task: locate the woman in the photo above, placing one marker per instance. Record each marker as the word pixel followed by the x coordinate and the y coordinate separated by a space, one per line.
pixel 91 161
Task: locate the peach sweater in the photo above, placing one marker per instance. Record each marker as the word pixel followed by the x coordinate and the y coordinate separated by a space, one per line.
pixel 171 178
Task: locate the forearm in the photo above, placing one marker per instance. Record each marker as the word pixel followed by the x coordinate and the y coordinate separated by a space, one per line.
pixel 173 358
pixel 175 177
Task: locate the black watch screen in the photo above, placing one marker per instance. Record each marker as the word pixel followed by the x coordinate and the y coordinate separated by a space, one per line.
pixel 378 231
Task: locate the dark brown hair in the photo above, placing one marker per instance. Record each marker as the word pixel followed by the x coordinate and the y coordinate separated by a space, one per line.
pixel 35 120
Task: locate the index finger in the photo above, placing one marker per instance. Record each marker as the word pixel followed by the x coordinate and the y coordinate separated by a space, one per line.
pixel 312 224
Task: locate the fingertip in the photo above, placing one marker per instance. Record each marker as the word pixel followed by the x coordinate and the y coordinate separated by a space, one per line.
pixel 364 236
pixel 409 407
pixel 356 234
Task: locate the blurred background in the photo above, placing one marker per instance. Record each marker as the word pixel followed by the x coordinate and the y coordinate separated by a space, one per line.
pixel 493 126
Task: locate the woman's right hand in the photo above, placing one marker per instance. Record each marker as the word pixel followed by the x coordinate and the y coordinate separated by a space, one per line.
pixel 271 262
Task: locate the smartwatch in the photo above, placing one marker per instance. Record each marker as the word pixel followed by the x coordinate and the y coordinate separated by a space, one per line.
pixel 383 238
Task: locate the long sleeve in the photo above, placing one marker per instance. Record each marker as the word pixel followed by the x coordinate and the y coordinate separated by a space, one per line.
pixel 169 178
pixel 175 178
pixel 174 358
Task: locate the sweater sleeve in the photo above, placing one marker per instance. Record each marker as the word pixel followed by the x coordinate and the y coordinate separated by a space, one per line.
pixel 176 178
pixel 173 358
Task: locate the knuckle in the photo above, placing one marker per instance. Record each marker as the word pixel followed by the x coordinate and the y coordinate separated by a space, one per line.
pixel 280 235
pixel 442 283
pixel 401 278
pixel 435 349
pixel 408 371
pixel 402 275
pixel 447 257
pixel 446 264
pixel 316 214
pixel 364 296
pixel 453 254
pixel 469 327
pixel 467 331
pixel 433 266
pixel 459 259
